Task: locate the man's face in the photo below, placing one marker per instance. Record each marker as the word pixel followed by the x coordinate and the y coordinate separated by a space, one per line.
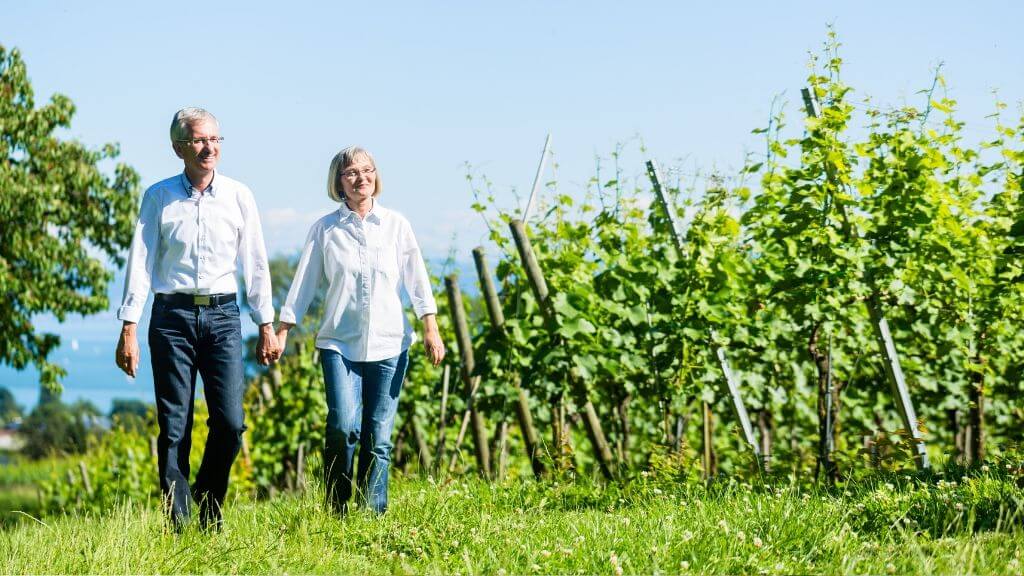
pixel 200 157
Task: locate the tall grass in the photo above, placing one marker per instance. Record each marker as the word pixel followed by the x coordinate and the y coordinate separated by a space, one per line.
pixel 515 527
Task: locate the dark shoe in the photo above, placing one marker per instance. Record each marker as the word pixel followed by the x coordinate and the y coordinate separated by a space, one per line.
pixel 177 523
pixel 339 508
pixel 210 517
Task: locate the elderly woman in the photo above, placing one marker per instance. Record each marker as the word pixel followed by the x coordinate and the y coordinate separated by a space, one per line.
pixel 366 254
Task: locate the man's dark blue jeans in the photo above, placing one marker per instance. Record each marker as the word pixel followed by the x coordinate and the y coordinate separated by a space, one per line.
pixel 186 339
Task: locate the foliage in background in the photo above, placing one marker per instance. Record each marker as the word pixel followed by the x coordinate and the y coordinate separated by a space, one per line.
pixel 57 429
pixel 10 411
pixel 287 410
pixel 121 466
pixel 58 213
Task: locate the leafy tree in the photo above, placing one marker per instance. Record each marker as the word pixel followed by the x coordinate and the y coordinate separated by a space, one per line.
pixel 9 409
pixel 124 406
pixel 58 213
pixel 132 414
pixel 57 428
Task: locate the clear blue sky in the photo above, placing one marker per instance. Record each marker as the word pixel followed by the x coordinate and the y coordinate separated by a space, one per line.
pixel 430 86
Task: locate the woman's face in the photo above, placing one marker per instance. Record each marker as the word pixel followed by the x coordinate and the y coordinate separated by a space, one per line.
pixel 358 180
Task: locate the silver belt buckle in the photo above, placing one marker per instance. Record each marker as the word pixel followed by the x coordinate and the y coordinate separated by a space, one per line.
pixel 201 299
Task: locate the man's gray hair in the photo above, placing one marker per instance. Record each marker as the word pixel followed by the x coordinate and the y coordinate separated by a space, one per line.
pixel 185 118
pixel 343 160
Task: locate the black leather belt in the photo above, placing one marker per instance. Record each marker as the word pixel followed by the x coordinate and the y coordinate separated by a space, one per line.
pixel 178 299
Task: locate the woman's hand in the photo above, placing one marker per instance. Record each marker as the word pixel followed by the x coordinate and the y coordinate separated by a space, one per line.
pixel 282 337
pixel 432 339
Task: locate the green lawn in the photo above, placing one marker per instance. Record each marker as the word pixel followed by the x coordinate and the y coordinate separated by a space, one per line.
pixel 522 527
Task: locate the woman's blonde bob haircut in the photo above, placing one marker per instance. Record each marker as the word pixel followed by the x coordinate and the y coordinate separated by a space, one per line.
pixel 343 160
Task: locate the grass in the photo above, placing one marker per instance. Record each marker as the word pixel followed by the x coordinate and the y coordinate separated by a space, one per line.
pixel 522 527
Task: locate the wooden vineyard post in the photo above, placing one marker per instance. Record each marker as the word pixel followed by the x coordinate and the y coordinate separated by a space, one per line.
pixel 540 291
pixel 537 178
pixel 710 460
pixel 890 358
pixel 442 424
pixel 522 400
pixel 765 426
pixel 463 426
pixel 465 345
pixel 976 413
pixel 739 408
pixel 420 441
pixel 246 457
pixel 500 451
pixel 84 471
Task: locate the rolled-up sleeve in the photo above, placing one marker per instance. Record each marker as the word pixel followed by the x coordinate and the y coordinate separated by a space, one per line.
pixel 253 256
pixel 307 278
pixel 414 273
pixel 141 259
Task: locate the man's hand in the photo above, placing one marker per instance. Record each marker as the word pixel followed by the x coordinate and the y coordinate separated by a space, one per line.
pixel 127 355
pixel 432 339
pixel 267 349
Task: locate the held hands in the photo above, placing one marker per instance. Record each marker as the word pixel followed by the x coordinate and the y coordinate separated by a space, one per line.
pixel 432 339
pixel 282 337
pixel 127 355
pixel 268 348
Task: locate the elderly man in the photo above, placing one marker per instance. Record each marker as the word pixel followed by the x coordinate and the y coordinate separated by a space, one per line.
pixel 195 230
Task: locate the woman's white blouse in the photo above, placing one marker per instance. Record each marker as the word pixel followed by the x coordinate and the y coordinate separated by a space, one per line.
pixel 365 263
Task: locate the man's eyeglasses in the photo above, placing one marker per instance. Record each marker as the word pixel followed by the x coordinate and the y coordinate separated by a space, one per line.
pixel 202 141
pixel 353 174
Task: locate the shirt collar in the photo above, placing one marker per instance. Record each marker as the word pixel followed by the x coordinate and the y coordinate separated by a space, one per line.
pixel 211 189
pixel 345 213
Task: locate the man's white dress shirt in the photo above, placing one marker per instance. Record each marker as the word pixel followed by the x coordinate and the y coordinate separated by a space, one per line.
pixel 365 264
pixel 192 242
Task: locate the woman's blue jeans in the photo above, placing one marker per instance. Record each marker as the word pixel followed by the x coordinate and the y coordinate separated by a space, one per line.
pixel 362 400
